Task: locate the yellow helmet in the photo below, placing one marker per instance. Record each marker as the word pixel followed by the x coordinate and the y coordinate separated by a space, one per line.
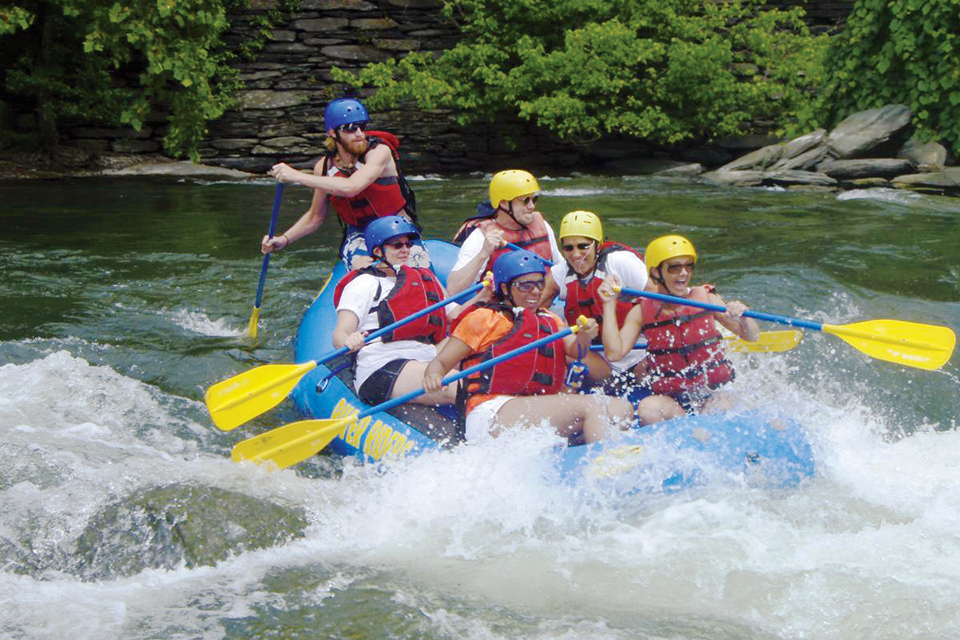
pixel 667 247
pixel 511 183
pixel 581 223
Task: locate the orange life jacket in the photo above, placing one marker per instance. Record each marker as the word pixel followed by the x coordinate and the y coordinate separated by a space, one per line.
pixel 685 350
pixel 536 372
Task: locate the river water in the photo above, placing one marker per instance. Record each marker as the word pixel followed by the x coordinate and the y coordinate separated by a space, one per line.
pixel 122 516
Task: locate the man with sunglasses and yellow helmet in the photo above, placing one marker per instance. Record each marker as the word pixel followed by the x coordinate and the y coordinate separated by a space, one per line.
pixel 516 220
pixel 577 278
pixel 358 178
pixel 686 362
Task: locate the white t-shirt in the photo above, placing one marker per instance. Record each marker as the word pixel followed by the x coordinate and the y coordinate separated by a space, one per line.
pixel 359 297
pixel 633 275
pixel 472 246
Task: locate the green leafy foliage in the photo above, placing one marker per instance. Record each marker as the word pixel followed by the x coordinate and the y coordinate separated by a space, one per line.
pixel 122 63
pixel 661 70
pixel 896 52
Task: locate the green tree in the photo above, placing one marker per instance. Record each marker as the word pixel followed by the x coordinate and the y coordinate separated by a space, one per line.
pixel 661 70
pixel 111 62
pixel 896 52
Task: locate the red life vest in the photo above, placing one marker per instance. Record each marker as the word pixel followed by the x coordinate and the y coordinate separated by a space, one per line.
pixel 685 350
pixel 383 197
pixel 414 290
pixel 534 237
pixel 536 372
pixel 581 299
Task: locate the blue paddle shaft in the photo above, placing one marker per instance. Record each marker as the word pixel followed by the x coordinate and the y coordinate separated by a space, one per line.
pixel 536 344
pixel 759 315
pixel 599 347
pixel 545 262
pixel 273 229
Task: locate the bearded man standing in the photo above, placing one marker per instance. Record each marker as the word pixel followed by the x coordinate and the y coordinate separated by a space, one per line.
pixel 358 177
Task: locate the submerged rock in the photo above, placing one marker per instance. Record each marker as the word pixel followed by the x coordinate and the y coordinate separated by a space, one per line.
pixel 166 527
pixel 946 181
pixel 865 168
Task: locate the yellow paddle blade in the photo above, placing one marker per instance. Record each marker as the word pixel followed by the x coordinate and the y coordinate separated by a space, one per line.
pixel 247 395
pixel 254 321
pixel 768 341
pixel 924 346
pixel 291 443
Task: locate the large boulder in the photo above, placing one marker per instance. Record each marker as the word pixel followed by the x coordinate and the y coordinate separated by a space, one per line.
pixel 924 154
pixel 866 130
pixel 166 527
pixel 759 160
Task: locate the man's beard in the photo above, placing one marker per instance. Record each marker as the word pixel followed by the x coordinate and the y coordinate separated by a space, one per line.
pixel 356 147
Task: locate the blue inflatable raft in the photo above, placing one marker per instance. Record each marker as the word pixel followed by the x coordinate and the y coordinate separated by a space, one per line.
pixel 759 447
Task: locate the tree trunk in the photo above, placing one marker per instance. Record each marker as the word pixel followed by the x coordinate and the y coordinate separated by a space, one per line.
pixel 46 113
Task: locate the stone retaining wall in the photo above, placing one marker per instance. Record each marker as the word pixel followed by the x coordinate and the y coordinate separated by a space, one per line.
pixel 280 112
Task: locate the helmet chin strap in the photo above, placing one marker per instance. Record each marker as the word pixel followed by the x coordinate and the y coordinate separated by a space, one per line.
pixel 596 261
pixel 509 211
pixel 658 279
pixel 383 258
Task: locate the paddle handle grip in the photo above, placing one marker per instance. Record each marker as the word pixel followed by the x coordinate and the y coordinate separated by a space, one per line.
pixel 274 216
pixel 759 315
pixel 536 344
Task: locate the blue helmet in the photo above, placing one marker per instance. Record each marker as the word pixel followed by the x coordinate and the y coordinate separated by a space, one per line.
pixel 514 264
pixel 384 229
pixel 344 111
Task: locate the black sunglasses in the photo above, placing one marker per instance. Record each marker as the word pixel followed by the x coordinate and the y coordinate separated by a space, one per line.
pixel 399 244
pixel 583 246
pixel 353 126
pixel 528 200
pixel 676 268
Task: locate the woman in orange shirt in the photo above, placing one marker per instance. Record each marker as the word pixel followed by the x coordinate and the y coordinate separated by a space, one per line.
pixel 528 388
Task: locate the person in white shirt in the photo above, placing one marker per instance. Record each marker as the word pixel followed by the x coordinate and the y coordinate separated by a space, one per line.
pixel 381 294
pixel 515 220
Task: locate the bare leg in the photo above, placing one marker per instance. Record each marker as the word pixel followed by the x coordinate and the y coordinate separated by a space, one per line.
pixel 570 414
pixel 721 401
pixel 411 379
pixel 653 409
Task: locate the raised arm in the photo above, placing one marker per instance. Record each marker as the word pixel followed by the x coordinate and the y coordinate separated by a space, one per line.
pixel 474 254
pixel 378 162
pixel 309 222
pixel 550 290
pixel 618 341
pixel 746 328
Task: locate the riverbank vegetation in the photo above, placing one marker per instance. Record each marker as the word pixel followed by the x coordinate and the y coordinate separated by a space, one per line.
pixel 113 63
pixel 895 52
pixel 659 70
pixel 664 71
